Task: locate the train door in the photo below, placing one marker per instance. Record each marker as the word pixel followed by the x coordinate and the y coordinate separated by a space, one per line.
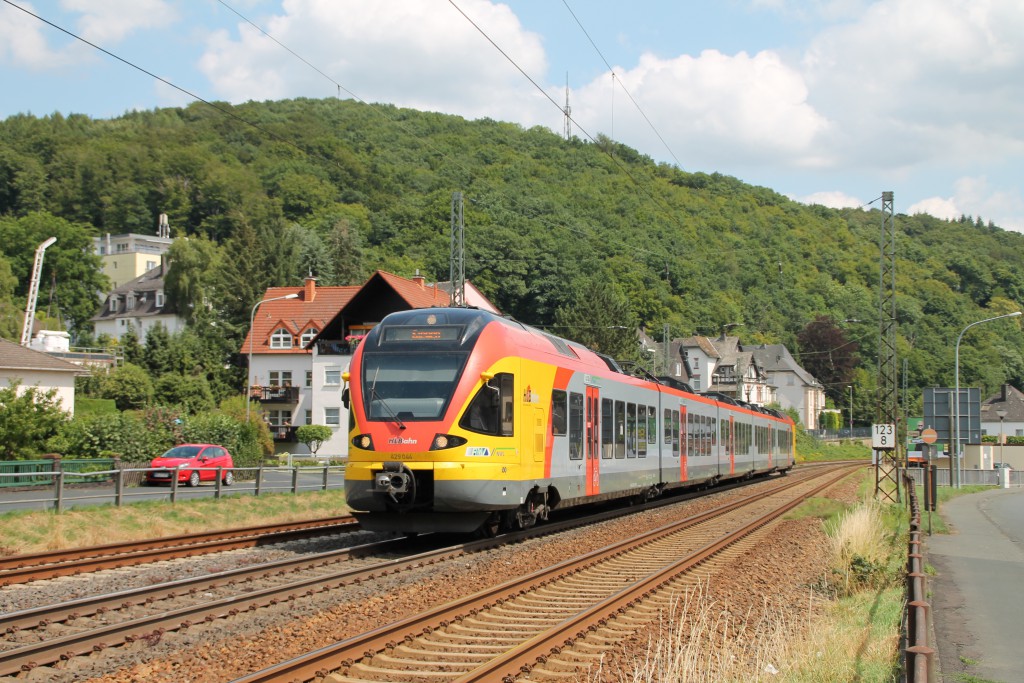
pixel 593 438
pixel 684 450
pixel 771 443
pixel 732 444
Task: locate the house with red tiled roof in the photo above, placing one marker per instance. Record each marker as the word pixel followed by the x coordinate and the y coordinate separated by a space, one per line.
pixel 30 368
pixel 299 347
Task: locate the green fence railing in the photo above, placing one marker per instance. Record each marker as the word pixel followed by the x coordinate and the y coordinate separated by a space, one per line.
pixel 35 472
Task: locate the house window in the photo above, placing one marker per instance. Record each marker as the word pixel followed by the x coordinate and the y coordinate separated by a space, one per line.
pixel 309 417
pixel 332 417
pixel 279 418
pixel 160 298
pixel 332 376
pixel 280 378
pixel 129 302
pixel 113 304
pixel 308 335
pixel 150 265
pixel 281 339
pixel 309 380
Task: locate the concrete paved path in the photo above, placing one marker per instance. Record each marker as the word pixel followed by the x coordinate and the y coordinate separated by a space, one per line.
pixel 978 595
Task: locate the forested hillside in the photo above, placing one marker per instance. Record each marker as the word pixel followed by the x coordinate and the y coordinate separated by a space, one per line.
pixel 577 236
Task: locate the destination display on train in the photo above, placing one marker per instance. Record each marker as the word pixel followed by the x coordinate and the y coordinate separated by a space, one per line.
pixel 423 333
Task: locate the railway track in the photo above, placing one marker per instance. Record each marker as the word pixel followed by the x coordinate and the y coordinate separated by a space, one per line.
pixel 24 568
pixel 48 635
pixel 545 625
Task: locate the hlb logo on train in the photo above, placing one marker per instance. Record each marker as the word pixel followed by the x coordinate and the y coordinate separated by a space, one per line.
pixel 399 441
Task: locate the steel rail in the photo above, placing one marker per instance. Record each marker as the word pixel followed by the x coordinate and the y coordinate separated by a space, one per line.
pixel 317 663
pixel 24 568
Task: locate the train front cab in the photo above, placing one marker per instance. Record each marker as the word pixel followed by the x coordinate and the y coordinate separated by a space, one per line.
pixel 473 464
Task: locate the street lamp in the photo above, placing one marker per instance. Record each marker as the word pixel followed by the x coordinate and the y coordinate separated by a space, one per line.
pixel 1002 439
pixel 956 400
pixel 248 370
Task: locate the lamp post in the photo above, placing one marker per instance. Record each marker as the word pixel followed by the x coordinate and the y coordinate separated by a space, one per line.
pixel 248 370
pixel 956 400
pixel 1002 439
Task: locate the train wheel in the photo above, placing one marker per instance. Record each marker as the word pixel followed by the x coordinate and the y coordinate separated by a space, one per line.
pixel 491 526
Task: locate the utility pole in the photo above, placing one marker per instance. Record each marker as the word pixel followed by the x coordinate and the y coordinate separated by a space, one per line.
pixel 457 259
pixel 887 461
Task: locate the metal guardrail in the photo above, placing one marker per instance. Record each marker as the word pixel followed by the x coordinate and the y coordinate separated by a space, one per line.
pixel 918 653
pixel 125 485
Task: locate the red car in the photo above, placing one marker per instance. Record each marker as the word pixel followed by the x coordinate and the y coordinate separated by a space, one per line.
pixel 192 463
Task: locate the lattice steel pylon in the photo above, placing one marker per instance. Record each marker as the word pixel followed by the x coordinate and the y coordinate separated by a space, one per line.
pixel 887 467
pixel 457 261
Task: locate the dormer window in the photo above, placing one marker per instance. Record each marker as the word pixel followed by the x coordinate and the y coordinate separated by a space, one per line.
pixel 160 298
pixel 129 302
pixel 308 335
pixel 281 339
pixel 113 304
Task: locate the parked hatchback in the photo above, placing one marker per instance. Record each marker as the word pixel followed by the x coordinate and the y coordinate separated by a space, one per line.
pixel 192 463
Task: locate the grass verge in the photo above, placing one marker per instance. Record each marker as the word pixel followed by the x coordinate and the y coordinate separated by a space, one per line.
pixel 849 630
pixel 41 531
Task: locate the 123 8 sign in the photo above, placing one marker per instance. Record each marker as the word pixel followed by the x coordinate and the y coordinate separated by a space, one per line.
pixel 883 437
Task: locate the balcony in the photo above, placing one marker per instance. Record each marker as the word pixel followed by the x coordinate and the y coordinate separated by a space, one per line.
pixel 274 394
pixel 283 434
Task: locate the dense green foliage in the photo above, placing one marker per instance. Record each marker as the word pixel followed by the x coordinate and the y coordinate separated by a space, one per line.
pixel 28 417
pixel 364 187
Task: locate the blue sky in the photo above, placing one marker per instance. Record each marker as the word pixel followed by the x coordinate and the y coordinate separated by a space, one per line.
pixel 826 101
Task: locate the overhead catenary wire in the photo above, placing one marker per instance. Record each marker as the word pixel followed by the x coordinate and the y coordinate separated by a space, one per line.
pixel 621 85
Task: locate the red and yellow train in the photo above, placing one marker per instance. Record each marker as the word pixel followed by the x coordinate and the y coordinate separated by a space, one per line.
pixel 462 420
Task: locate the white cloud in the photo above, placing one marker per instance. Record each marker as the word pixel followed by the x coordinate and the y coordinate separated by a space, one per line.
pixel 940 207
pixel 22 42
pixel 832 199
pixel 406 52
pixel 106 22
pixel 914 81
pixel 714 109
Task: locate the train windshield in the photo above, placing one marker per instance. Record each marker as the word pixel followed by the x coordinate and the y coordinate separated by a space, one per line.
pixel 414 386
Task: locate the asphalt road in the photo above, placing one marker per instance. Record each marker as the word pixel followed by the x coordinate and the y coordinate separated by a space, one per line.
pixel 274 481
pixel 976 595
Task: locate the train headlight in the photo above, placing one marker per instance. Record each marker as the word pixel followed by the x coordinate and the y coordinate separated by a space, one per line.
pixel 363 441
pixel 443 441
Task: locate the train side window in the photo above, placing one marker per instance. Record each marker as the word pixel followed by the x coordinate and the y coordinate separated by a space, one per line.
pixel 631 430
pixel 575 426
pixel 507 403
pixel 675 433
pixel 620 429
pixel 490 411
pixel 668 427
pixel 607 428
pixel 559 412
pixel 652 425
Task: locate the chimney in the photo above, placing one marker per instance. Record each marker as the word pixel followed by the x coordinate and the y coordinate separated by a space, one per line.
pixel 419 279
pixel 310 288
pixel 1005 394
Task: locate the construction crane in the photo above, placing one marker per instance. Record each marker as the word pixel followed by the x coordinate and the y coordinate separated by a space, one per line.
pixel 33 292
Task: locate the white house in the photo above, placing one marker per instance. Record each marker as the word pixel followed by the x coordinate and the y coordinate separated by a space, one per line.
pixel 140 304
pixel 300 347
pixel 33 368
pixel 794 387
